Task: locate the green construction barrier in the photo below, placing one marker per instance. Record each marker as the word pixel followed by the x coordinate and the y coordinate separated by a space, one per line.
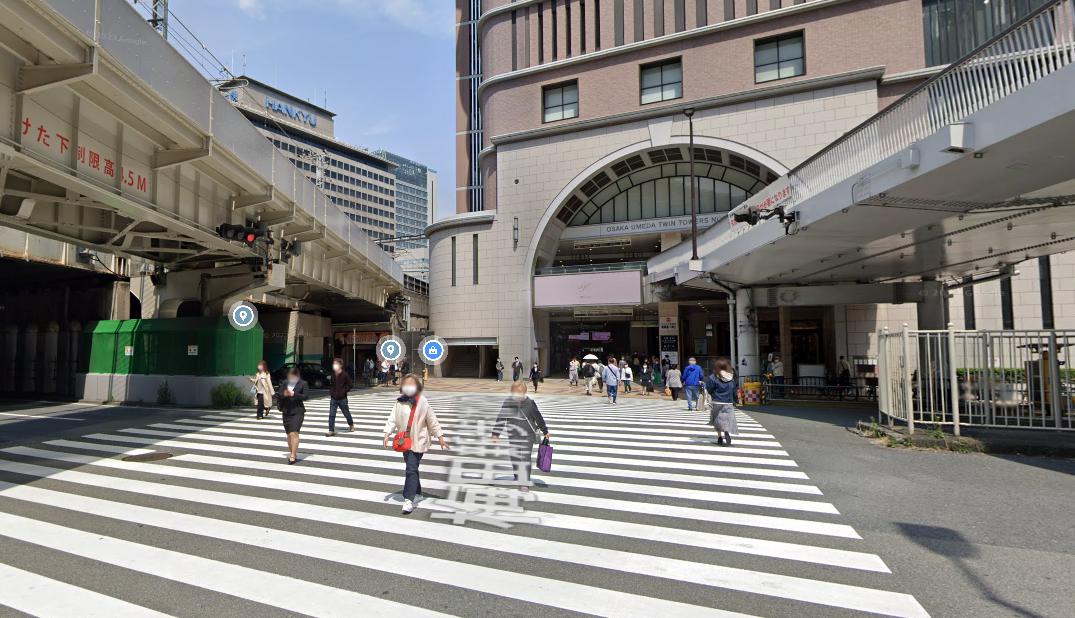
pixel 178 346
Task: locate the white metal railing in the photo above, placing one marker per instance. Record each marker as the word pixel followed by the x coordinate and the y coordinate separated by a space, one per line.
pixel 1033 48
pixel 958 378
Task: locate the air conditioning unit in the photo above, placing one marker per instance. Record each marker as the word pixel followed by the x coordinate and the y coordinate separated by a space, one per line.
pixel 602 243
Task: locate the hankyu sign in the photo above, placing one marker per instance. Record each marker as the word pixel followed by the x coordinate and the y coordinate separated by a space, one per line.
pixel 292 112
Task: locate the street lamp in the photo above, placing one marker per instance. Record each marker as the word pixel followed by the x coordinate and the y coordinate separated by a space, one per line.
pixel 689 113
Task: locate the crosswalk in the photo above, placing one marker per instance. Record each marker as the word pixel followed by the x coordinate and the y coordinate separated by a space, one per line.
pixel 641 515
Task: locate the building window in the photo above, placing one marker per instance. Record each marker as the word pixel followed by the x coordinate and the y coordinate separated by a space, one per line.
pixel 453 261
pixel 1007 311
pixel 752 7
pixel 474 259
pixel 779 58
pixel 597 25
pixel 561 101
pixel 701 13
pixel 640 21
pixel 541 32
pixel 969 321
pixel 658 18
pixel 681 15
pixel 514 41
pixel 662 81
pixel 567 27
pixel 617 22
pixel 1045 281
pixel 582 26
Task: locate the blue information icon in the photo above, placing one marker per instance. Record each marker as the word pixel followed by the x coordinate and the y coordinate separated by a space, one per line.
pixel 433 350
pixel 243 315
pixel 390 348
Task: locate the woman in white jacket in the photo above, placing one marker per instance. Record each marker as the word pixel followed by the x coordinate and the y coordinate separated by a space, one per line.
pixel 423 430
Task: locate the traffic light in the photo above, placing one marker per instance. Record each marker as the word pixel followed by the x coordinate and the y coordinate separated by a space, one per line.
pixel 249 234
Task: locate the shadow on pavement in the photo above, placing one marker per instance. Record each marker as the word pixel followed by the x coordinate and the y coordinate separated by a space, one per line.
pixel 957 550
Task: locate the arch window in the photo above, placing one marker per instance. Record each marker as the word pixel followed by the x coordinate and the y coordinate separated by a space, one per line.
pixel 664 191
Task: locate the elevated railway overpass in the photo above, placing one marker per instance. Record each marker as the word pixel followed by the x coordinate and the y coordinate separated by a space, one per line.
pixel 118 161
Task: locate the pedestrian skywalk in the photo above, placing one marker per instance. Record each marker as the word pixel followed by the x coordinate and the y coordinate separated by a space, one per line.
pixel 642 515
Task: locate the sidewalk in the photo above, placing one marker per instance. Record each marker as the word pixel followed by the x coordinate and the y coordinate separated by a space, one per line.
pixel 551 386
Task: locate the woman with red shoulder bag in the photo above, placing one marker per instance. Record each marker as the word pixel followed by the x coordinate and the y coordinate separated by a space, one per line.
pixel 410 429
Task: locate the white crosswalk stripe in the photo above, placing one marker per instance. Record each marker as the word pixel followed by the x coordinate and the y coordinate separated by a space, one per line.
pixel 638 490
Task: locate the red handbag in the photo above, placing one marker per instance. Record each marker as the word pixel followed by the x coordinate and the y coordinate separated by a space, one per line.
pixel 402 442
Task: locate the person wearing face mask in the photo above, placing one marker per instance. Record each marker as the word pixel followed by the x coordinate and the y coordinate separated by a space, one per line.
pixel 692 381
pixel 522 421
pixel 263 390
pixel 337 397
pixel 293 410
pixel 413 414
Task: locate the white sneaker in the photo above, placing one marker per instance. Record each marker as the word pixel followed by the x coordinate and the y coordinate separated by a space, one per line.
pixel 408 506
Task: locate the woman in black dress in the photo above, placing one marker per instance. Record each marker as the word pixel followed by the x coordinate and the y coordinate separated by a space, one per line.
pixel 293 410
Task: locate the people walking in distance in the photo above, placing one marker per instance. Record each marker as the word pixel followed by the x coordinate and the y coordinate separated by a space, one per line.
pixel 413 414
pixel 589 376
pixel 382 377
pixel 337 397
pixel 599 369
pixel 778 376
pixel 645 378
pixel 520 418
pixel 395 374
pixel 611 377
pixel 674 380
pixel 721 385
pixel 628 376
pixel 658 374
pixel 371 369
pixel 263 390
pixel 293 410
pixel 666 363
pixel 516 369
pixel 499 370
pixel 573 372
pixel 845 376
pixel 692 381
pixel 535 375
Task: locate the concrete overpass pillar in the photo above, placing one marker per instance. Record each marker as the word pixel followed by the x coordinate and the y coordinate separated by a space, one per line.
pixel 747 334
pixel 933 308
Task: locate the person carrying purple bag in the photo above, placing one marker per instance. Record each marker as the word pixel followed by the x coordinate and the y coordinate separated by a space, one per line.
pixel 522 421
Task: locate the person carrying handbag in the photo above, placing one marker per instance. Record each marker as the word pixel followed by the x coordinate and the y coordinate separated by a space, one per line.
pixel 263 390
pixel 522 421
pixel 411 427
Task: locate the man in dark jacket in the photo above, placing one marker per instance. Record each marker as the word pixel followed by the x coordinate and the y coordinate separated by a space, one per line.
pixel 520 419
pixel 516 369
pixel 337 397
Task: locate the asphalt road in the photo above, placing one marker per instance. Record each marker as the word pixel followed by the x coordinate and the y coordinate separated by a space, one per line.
pixel 641 515
pixel 969 534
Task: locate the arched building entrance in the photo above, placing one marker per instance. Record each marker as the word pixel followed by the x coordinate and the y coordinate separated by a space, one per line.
pixel 559 268
pixel 589 291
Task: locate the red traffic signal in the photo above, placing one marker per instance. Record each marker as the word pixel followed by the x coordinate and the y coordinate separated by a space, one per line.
pixel 245 233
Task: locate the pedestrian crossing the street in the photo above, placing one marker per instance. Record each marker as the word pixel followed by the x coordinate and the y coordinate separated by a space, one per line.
pixel 642 514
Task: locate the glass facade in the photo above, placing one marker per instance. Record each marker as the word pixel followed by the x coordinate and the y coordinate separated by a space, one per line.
pixel 363 187
pixel 954 28
pixel 414 205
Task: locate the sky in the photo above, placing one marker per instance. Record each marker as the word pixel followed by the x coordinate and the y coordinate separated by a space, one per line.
pixel 388 66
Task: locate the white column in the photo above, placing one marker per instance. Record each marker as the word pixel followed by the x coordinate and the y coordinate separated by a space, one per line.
pixel 747 330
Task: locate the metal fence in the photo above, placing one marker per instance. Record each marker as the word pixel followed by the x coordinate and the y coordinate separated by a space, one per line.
pixel 957 378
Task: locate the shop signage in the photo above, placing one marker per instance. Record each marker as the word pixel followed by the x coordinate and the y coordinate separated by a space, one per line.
pixel 644 226
pixel 291 112
pixel 192 350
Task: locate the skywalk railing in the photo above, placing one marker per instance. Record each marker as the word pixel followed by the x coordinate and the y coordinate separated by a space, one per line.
pixel 1031 49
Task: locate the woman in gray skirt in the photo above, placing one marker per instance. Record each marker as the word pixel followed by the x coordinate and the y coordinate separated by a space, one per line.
pixel 721 386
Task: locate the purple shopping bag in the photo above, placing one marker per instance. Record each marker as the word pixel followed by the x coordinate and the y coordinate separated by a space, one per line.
pixel 545 456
